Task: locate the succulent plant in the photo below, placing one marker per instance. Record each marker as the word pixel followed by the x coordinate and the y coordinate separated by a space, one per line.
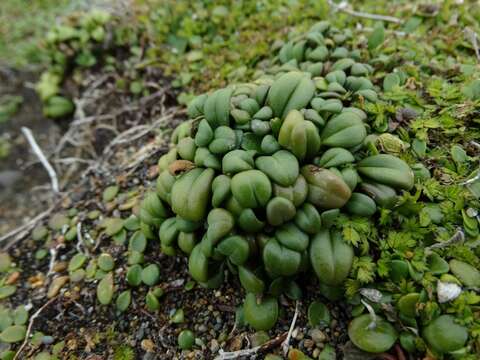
pixel 256 168
pixel 257 176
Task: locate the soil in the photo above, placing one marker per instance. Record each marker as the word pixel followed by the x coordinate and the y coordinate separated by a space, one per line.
pixel 23 180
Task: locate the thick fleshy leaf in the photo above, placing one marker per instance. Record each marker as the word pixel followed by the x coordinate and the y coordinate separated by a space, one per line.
pixel 280 260
pixel 292 237
pixel 300 136
pixel 280 210
pixel 251 188
pixel 375 339
pixel 444 334
pixel 191 194
pixel 331 257
pixel 260 314
pixel 325 189
pixel 236 248
pixel 281 167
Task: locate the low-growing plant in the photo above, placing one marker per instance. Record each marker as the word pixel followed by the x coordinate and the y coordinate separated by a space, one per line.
pixel 291 174
pixel 80 42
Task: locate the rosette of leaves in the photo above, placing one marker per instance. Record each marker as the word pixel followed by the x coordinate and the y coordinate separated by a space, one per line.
pixel 255 178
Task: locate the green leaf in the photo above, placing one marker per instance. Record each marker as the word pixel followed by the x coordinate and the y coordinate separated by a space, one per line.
pixel 151 301
pixel 20 315
pixel 13 334
pixel 186 340
pixel 5 262
pixel 5 318
pixel 123 300
pixel 7 290
pixel 105 262
pixel 328 353
pixel 376 37
pixel 419 147
pixel 138 242
pixel 113 226
pixel 390 81
pixel 120 237
pixel 134 275
pixel 458 154
pixel 412 23
pixel 351 235
pixel 318 314
pixel 151 275
pixel 58 221
pixel 177 317
pixel 105 289
pixel 472 90
pixel 76 262
pixel 109 193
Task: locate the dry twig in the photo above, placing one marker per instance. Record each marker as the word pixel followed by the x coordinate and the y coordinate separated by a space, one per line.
pixel 25 228
pixel 253 351
pixel 343 7
pixel 53 257
pixel 373 316
pixel 30 326
pixel 38 152
pixel 286 343
pixel 80 242
pixel 473 38
pixel 459 236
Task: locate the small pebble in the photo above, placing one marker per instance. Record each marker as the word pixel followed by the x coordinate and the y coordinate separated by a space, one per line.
pixel 308 343
pixel 149 356
pixel 316 352
pixel 214 346
pixel 47 340
pixel 299 335
pixel 56 285
pixel 317 336
pixel 202 328
pixel 148 345
pixel 59 266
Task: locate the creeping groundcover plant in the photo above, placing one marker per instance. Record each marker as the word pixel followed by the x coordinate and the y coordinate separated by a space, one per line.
pixel 260 179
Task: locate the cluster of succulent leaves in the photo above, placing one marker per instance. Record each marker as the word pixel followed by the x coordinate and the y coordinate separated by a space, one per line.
pixel 80 42
pixel 293 173
pixel 66 44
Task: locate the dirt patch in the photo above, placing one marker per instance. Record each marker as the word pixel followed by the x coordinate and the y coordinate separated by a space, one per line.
pixel 23 181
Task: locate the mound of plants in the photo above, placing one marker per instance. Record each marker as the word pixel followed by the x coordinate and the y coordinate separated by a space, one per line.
pixel 80 42
pixel 291 177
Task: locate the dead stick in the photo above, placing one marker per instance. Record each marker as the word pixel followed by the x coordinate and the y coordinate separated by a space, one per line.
pixel 249 352
pixel 38 152
pixel 343 8
pixel 26 227
pixel 286 343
